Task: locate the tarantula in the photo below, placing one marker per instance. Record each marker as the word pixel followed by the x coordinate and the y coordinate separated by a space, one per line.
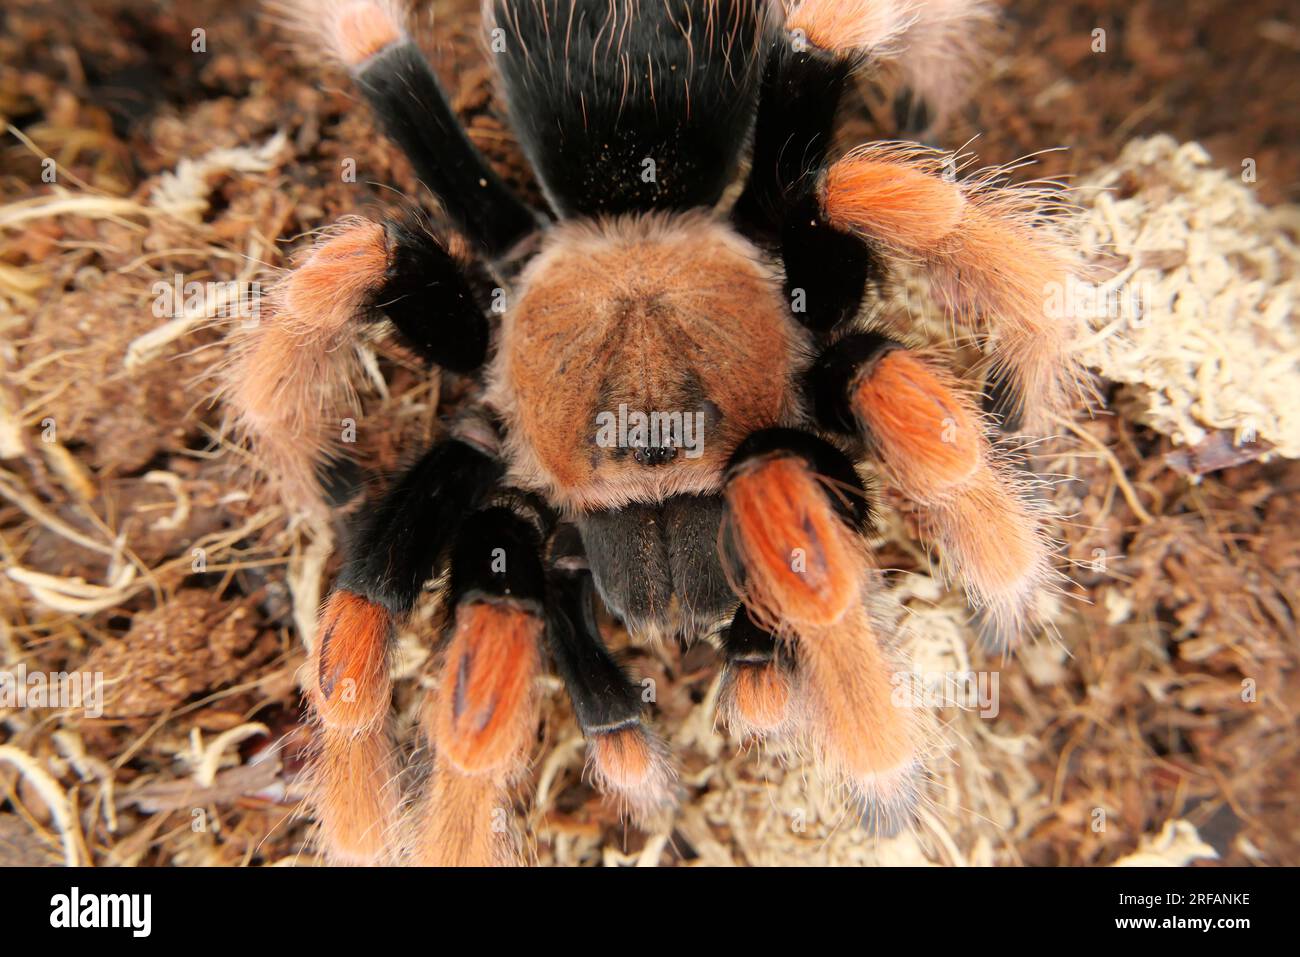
pixel 651 291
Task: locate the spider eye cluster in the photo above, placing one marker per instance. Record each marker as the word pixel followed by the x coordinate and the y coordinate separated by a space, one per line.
pixel 653 455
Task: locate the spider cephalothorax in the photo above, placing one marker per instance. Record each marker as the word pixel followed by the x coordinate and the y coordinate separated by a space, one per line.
pixel 651 314
pixel 673 388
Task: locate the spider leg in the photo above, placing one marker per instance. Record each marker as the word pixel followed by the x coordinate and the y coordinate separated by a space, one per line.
pixel 370 38
pixel 795 506
pixel 757 694
pixel 482 720
pixel 629 107
pixel 935 448
pixel 933 44
pixel 809 66
pixel 626 759
pixel 802 87
pixel 827 272
pixel 293 371
pixel 995 255
pixel 792 535
pixel 352 774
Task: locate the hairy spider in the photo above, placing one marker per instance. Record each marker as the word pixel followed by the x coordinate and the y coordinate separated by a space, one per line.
pixel 671 408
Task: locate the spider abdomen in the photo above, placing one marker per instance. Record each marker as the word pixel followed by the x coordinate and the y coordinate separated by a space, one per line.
pixel 630 106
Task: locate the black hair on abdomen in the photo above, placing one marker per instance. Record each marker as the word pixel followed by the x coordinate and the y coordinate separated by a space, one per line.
pixel 630 105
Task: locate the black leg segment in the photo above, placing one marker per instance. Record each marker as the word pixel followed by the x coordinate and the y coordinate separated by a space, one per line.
pixel 829 383
pixel 801 93
pixel 747 643
pixel 498 553
pixel 405 540
pixel 603 697
pixel 414 112
pixel 827 272
pixel 433 296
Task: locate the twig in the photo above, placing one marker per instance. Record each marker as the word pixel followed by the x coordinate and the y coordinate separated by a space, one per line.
pixel 1125 487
